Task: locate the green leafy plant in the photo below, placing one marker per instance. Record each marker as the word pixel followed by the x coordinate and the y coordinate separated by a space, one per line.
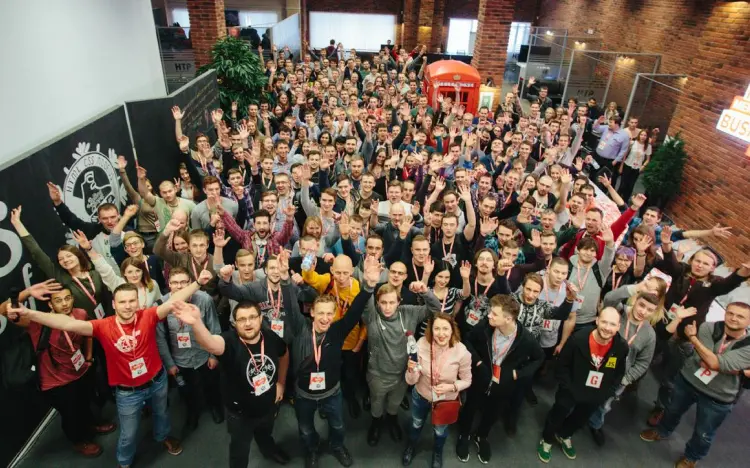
pixel 663 175
pixel 240 73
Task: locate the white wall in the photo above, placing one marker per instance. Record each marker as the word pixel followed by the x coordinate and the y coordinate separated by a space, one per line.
pixel 64 62
pixel 287 33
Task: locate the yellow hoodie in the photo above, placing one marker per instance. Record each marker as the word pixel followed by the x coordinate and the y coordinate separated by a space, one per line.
pixel 324 285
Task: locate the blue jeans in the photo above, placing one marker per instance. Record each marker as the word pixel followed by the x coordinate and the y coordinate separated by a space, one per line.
pixel 129 406
pixel 596 421
pixel 333 408
pixel 708 417
pixel 420 408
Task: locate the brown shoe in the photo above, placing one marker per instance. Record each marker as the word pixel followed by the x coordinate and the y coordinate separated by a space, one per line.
pixel 651 435
pixel 88 449
pixel 105 428
pixel 654 418
pixel 685 463
pixel 174 447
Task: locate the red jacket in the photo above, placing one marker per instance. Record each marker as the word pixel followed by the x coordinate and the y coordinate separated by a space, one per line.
pixel 618 227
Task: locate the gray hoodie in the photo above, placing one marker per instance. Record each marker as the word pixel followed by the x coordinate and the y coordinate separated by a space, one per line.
pixel 386 336
pixel 591 290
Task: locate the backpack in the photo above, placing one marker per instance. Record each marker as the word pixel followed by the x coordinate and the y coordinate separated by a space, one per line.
pixel 716 335
pixel 18 359
pixel 595 270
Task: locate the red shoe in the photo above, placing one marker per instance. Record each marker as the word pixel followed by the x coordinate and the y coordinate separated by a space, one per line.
pixel 174 447
pixel 105 428
pixel 650 435
pixel 654 418
pixel 88 449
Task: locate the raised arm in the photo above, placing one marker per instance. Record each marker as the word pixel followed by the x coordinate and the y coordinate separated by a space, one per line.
pixel 143 190
pixel 67 217
pixel 177 114
pixel 183 294
pixel 42 260
pixel 191 315
pixel 56 321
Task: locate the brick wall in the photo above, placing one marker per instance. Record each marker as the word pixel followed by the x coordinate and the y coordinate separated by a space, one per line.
pixel 207 24
pixel 708 41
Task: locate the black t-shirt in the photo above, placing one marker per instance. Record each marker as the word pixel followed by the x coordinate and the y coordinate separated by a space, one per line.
pixel 462 251
pixel 477 306
pixel 238 371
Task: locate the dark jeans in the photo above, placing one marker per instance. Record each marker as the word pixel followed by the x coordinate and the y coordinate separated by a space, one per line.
pixel 627 182
pixel 332 407
pixel 608 164
pixel 566 416
pixel 674 357
pixel 73 403
pixel 201 389
pixel 708 417
pixel 242 430
pixel 351 373
pixel 489 406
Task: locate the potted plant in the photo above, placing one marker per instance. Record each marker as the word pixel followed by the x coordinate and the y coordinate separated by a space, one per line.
pixel 240 72
pixel 663 175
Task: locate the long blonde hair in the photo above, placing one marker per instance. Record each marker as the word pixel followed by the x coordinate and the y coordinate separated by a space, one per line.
pixel 661 293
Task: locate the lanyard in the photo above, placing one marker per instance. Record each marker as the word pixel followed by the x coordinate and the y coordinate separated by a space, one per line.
pixel 85 290
pixel 450 251
pixel 581 284
pixel 435 370
pixel 546 290
pixel 416 274
pixel 70 342
pixel 277 305
pixel 723 345
pixel 262 353
pixel 317 350
pixel 447 290
pixel 498 354
pixel 336 293
pixel 400 319
pixel 692 283
pixel 476 288
pixel 130 338
pixel 627 332
pixel 192 265
pixel 615 283
pixel 263 182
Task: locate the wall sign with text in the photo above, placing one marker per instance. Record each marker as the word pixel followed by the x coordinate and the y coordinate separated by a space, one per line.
pixel 735 121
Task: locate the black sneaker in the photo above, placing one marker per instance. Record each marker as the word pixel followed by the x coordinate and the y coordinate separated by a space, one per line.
pixel 531 398
pixel 343 456
pixel 462 448
pixel 311 459
pixel 598 436
pixel 437 459
pixel 373 434
pixel 484 452
pixel 408 455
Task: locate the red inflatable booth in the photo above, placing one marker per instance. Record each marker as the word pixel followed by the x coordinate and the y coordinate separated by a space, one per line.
pixel 441 78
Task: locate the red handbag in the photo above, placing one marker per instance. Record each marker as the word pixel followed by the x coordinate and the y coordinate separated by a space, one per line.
pixel 443 412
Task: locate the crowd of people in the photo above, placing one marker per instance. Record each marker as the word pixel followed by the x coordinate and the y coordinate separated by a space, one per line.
pixel 350 244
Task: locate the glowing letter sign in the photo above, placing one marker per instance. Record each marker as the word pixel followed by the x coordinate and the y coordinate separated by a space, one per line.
pixel 735 121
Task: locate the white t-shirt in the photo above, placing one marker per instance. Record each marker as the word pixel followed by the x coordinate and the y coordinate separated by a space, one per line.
pixel 636 156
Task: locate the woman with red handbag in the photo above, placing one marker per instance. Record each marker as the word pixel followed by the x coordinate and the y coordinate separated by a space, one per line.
pixel 439 370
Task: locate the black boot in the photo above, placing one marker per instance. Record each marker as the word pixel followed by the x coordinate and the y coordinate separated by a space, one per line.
pixel 394 428
pixel 437 453
pixel 373 434
pixel 409 453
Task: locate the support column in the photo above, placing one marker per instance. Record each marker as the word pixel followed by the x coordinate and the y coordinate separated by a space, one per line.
pixel 424 31
pixel 411 24
pixel 493 31
pixel 207 25
pixel 438 20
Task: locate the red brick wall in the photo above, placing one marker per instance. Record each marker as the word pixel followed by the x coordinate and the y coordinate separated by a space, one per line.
pixel 708 41
pixel 207 24
pixel 491 46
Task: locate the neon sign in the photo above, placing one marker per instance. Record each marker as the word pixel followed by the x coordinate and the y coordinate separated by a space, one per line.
pixel 735 121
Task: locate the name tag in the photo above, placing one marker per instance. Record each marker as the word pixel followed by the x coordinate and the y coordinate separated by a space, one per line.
pixel 673 311
pixel 183 340
pixel 278 327
pixel 550 325
pixel 318 381
pixel 450 259
pixel 602 145
pixel 99 311
pixel 137 368
pixel 706 375
pixel 594 379
pixel 496 373
pixel 261 383
pixel 472 318
pixel 579 299
pixel 77 360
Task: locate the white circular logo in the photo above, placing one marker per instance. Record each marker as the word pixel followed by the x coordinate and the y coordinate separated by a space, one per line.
pixel 91 181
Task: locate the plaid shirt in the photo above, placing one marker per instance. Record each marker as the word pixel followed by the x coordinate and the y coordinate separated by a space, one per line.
pixel 271 245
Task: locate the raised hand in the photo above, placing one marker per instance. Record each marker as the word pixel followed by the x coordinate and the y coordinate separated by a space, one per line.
pixel 289 211
pixel 429 267
pixel 439 184
pixel 54 193
pixel 82 240
pixel 571 291
pixel 371 272
pixel 204 277
pixel 217 115
pixel 531 80
pixel 607 235
pixel 720 231
pixel 173 225
pixel 417 287
pixel 244 132
pixel 464 193
pixel 638 200
pixel 219 239
pixel 683 313
pixel 122 163
pixel 345 228
pixel 187 313
pixel 131 211
pixel 225 272
pixel 488 226
pixel 141 172
pixel 43 290
pixel 306 172
pixel 15 217
pixel 643 243
pixel 177 113
pixel 184 143
pixel 465 269
pixel 405 226
pixel 536 239
pixel 565 177
pixel 578 164
pixel 606 181
pixel 666 235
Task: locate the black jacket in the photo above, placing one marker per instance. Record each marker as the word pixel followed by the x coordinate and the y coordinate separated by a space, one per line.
pixel 574 365
pixel 525 356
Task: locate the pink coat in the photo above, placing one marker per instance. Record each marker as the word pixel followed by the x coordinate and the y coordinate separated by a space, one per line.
pixel 454 368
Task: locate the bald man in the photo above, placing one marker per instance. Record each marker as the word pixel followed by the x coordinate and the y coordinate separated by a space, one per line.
pixel 389 230
pixel 340 284
pixel 589 369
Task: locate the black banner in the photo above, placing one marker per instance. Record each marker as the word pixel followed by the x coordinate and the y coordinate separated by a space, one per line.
pixel 153 126
pixel 83 164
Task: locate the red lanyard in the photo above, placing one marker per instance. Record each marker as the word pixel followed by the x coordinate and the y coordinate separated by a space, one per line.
pixel 450 251
pixel 416 275
pixel 447 290
pixel 262 353
pixel 85 290
pixel 616 284
pixel 581 284
pixel 317 350
pixel 627 332
pixel 132 341
pixel 476 288
pixel 692 283
pixel 70 342
pixel 546 291
pixel 498 353
pixel 435 370
pixel 277 305
pixel 723 345
pixel 192 265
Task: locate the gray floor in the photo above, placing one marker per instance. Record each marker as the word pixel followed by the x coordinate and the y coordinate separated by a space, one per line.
pixel 209 445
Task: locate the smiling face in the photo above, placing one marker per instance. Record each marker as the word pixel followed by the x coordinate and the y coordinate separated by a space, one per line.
pixel 322 315
pixel 442 331
pixel 420 250
pixel 125 304
pixel 608 323
pixel 67 260
pixel 643 309
pixel 273 271
pixel 247 322
pixel 133 274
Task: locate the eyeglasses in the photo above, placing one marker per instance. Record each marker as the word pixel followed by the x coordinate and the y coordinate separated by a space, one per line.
pixel 179 283
pixel 249 318
pixel 132 244
pixel 402 273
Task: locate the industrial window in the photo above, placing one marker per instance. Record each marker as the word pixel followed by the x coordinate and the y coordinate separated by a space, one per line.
pixel 358 31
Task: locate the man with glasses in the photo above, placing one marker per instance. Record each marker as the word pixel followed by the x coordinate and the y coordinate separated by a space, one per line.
pixel 193 368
